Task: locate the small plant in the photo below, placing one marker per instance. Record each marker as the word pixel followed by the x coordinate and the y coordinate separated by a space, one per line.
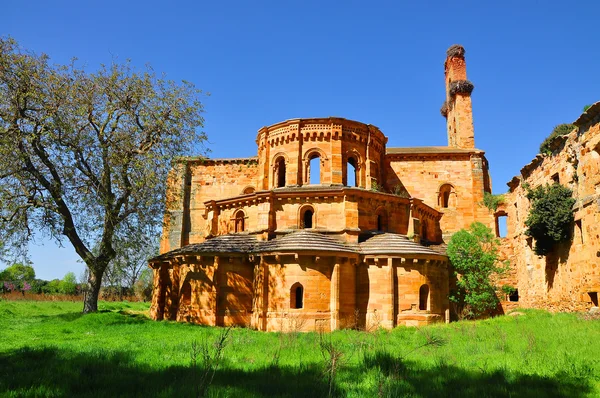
pixel 492 201
pixel 332 356
pixel 210 359
pixel 550 217
pixel 586 107
pixel 508 290
pixel 375 187
pixel 558 131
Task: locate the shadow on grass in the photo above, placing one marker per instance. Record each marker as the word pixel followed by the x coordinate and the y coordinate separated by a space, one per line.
pixel 59 372
pixel 401 378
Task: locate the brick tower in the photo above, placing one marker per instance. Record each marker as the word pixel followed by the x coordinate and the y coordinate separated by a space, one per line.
pixel 457 108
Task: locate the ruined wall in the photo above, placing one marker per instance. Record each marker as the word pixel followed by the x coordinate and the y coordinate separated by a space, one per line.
pixel 569 278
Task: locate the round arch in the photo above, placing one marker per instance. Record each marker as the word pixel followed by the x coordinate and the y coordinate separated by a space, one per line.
pixel 309 155
pixel 248 190
pixel 279 163
pixel 353 158
pixel 446 196
pixel 304 221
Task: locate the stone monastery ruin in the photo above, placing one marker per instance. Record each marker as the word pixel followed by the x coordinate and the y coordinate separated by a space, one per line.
pixel 328 228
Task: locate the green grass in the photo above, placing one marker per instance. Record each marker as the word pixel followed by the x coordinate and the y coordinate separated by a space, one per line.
pixel 50 349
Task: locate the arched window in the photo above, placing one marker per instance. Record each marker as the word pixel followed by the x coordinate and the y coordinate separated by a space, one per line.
pixel 186 293
pixel 240 221
pixel 307 218
pixel 424 298
pixel 446 196
pixel 297 296
pixel 248 190
pixel 314 168
pixel 351 174
pixel 279 171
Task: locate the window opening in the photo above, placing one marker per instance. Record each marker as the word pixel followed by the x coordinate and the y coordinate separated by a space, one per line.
pixel 501 226
pixel 186 293
pixel 280 172
pixel 556 178
pixel 351 175
pixel 382 221
pixel 314 167
pixel 579 230
pixel 514 296
pixel 594 298
pixel 307 219
pixel 297 296
pixel 239 221
pixel 424 298
pixel 445 196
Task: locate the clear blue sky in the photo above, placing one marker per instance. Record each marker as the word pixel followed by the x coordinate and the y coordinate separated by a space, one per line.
pixel 534 65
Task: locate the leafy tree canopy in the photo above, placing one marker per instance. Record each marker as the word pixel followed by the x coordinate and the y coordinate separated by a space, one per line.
pixel 474 257
pixel 550 216
pixel 85 155
pixel 18 272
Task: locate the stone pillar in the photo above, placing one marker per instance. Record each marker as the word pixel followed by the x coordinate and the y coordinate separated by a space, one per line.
pixel 391 313
pixel 334 300
pixel 458 100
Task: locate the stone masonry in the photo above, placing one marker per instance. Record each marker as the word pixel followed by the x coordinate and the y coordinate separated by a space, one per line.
pixel 325 228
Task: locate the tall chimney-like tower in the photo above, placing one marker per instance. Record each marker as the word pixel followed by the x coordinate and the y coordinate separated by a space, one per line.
pixel 457 109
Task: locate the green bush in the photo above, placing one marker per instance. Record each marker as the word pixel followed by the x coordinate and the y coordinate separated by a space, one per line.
pixel 558 131
pixel 492 201
pixel 474 256
pixel 550 217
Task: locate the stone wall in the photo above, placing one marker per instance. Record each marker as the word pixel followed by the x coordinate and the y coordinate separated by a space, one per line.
pixel 568 279
pixel 423 175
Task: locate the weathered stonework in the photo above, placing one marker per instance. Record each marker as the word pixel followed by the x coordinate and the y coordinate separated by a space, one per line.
pixel 568 279
pixel 252 242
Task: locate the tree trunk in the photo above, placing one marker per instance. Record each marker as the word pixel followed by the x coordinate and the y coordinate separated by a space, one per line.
pixel 90 301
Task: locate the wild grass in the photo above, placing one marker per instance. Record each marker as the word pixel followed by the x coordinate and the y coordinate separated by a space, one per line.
pixel 50 349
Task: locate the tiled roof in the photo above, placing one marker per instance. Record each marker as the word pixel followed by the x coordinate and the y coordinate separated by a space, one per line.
pixel 393 244
pixel 306 240
pixel 231 243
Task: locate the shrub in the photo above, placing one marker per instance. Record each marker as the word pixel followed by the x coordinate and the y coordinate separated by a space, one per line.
pixel 558 131
pixel 492 201
pixel 586 107
pixel 474 256
pixel 550 217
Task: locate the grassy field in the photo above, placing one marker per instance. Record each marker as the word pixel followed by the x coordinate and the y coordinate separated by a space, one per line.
pixel 50 349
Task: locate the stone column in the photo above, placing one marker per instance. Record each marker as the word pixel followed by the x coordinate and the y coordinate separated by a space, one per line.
pixel 334 299
pixel 391 288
